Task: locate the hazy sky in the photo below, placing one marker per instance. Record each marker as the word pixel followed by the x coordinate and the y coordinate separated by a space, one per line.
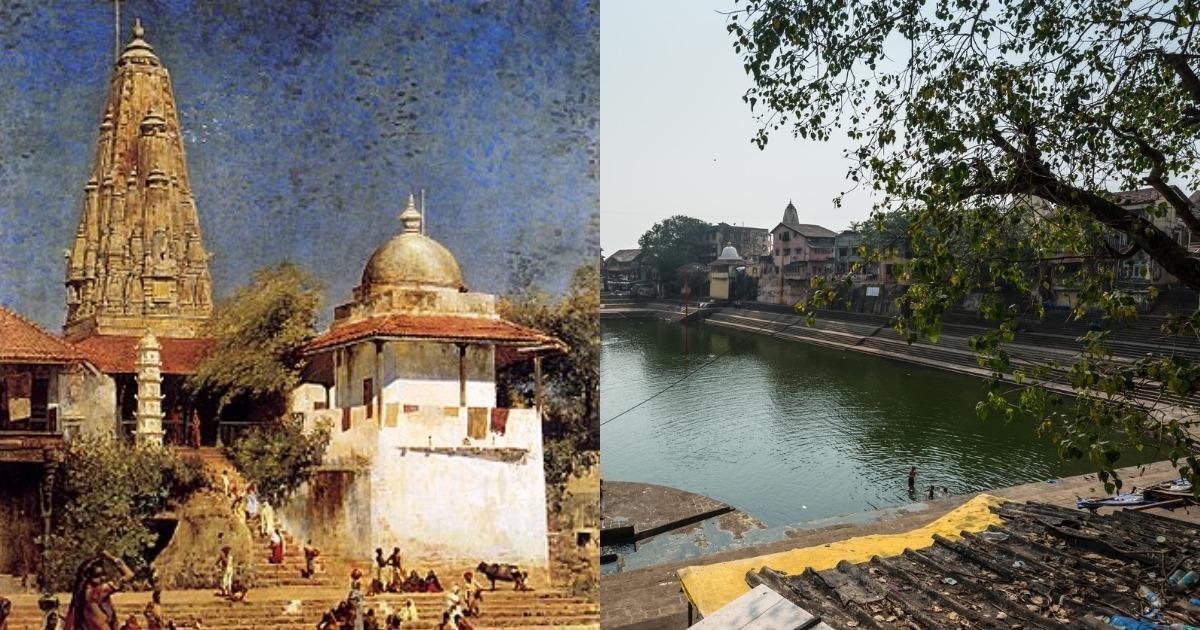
pixel 306 125
pixel 675 134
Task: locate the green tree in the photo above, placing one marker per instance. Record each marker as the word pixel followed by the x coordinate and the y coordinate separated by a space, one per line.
pixel 106 493
pixel 279 457
pixel 572 379
pixel 260 336
pixel 673 242
pixel 885 232
pixel 999 130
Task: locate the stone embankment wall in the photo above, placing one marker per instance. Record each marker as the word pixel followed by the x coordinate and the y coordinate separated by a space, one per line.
pixel 1037 342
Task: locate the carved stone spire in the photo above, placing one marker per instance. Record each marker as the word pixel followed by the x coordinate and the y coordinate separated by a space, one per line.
pixel 790 215
pixel 138 262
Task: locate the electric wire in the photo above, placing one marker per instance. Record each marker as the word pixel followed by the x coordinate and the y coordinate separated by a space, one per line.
pixel 693 372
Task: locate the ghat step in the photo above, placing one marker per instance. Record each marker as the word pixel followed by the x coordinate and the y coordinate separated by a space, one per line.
pixel 290 608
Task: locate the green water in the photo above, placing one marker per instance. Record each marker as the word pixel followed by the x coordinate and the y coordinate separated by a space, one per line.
pixel 789 432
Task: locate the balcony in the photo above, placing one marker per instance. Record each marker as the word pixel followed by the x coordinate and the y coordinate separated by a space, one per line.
pixel 29 446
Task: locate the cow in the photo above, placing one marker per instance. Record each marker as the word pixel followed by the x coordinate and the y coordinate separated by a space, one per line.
pixel 505 573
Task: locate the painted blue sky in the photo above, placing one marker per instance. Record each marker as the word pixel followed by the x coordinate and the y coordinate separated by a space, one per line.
pixel 306 125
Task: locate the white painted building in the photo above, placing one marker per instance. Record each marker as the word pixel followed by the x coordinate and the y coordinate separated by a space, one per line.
pixel 421 456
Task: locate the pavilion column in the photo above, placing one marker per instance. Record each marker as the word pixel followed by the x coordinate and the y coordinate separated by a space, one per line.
pixel 537 382
pixel 377 385
pixel 462 374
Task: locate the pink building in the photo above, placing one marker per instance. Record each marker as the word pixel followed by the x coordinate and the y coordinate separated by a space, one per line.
pixel 799 251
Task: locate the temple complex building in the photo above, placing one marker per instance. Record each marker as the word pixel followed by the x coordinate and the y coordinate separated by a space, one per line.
pixel 423 456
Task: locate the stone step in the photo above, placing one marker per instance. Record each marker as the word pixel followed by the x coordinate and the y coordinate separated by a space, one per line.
pixel 500 609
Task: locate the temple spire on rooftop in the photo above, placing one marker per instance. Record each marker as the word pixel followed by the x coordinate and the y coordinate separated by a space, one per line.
pixel 790 215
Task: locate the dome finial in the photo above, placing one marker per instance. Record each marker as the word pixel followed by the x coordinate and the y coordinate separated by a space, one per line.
pixel 411 217
pixel 138 31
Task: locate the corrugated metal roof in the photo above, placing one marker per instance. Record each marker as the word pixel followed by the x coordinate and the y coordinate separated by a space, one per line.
pixel 1045 566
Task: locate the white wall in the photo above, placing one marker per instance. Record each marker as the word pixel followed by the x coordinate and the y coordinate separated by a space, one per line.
pixel 411 477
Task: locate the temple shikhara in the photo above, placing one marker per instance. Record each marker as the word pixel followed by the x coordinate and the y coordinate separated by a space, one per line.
pixel 138 262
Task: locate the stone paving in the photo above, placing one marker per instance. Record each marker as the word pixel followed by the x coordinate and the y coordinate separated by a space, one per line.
pixel 639 510
pixel 650 598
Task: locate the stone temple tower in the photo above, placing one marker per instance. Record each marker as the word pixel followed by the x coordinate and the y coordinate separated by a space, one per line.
pixel 138 263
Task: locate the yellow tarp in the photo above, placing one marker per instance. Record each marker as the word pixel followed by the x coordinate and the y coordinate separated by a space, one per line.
pixel 712 586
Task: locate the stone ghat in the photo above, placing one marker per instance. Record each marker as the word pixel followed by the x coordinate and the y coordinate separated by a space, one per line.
pixel 298 608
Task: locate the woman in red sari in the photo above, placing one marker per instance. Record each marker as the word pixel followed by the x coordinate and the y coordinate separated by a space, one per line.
pixel 277 547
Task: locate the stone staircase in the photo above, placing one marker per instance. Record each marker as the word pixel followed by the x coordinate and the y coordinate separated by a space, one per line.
pixel 301 608
pixel 266 574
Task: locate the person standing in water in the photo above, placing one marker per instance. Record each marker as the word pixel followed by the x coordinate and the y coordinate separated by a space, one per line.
pixel 912 480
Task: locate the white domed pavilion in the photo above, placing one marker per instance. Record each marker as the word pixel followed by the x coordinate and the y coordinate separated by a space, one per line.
pixel 422 456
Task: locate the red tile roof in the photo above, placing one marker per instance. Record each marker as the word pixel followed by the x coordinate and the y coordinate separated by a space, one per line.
pixel 118 355
pixel 22 341
pixel 439 327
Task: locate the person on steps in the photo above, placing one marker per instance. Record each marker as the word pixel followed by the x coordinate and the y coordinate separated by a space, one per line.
pixel 251 505
pixel 91 601
pixel 395 570
pixel 355 598
pixel 409 612
pixel 266 518
pixel 225 564
pixel 432 585
pixel 472 594
pixel 53 620
pixel 154 612
pixel 277 547
pixel 380 564
pixel 414 583
pixel 310 559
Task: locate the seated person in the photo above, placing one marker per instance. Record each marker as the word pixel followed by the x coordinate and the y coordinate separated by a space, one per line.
pixel 432 585
pixel 414 583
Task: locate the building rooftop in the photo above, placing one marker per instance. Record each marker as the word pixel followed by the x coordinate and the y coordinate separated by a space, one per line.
pixel 117 354
pixel 808 229
pixel 22 341
pixel 725 227
pixel 1147 196
pixel 1043 566
pixel 448 328
pixel 624 255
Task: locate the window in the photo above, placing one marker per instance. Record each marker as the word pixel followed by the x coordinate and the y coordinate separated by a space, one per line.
pixel 776 251
pixel 369 396
pixel 787 252
pixel 785 236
